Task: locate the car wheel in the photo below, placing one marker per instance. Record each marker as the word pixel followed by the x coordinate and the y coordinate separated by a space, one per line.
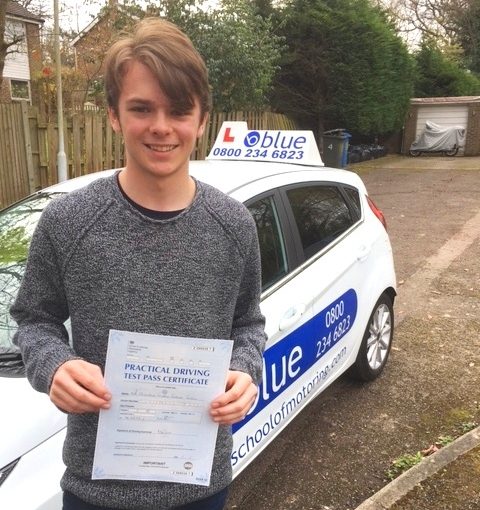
pixel 376 343
pixel 452 152
pixel 414 153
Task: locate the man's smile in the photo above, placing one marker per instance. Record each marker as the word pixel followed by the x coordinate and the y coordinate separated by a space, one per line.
pixel 161 148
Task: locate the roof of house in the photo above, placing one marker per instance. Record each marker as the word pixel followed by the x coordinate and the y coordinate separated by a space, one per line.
pixel 445 100
pixel 85 31
pixel 18 11
pixel 95 21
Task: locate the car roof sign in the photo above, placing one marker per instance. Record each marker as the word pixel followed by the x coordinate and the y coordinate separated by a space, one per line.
pixel 236 142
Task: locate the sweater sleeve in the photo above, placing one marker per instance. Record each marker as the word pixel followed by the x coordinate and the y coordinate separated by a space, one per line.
pixel 40 311
pixel 248 331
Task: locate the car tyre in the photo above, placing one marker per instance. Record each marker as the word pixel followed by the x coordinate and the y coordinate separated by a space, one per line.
pixel 414 153
pixel 376 343
pixel 452 152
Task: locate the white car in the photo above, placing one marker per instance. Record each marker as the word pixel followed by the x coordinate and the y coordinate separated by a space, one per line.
pixel 328 291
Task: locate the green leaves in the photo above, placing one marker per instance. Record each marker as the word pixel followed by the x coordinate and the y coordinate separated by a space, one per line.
pixel 239 46
pixel 345 67
pixel 439 75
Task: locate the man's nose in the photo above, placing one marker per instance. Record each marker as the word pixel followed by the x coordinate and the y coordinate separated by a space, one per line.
pixel 161 123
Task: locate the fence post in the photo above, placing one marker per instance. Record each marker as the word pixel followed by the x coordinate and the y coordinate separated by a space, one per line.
pixel 28 147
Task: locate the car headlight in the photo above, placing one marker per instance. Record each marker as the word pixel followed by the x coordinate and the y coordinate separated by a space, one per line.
pixel 6 470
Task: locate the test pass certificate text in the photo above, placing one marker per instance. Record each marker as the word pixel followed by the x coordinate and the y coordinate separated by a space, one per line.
pixel 159 426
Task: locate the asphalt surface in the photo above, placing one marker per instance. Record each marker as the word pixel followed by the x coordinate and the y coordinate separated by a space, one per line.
pixel 335 454
pixel 449 478
pixel 445 480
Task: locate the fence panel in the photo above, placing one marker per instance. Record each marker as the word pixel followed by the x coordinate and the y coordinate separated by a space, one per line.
pixel 15 181
pixel 29 145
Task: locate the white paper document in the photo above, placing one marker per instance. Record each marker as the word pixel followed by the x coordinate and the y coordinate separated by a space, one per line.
pixel 159 426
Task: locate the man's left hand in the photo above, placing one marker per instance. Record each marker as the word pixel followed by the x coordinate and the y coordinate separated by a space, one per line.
pixel 234 404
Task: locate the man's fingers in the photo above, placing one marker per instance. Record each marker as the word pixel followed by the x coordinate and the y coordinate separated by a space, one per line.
pixel 232 413
pixel 78 387
pixel 87 375
pixel 234 404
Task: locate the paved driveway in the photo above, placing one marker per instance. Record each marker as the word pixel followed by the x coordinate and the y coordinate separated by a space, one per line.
pixel 336 453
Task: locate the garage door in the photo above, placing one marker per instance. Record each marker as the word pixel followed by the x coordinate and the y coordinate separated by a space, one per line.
pixel 444 115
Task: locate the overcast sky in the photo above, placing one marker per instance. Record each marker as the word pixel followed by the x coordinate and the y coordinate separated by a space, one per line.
pixel 75 15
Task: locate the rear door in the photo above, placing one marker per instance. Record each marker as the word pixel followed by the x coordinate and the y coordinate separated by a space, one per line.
pixel 308 240
pixel 327 225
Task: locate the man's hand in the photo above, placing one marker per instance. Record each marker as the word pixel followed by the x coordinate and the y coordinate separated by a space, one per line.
pixel 234 404
pixel 78 387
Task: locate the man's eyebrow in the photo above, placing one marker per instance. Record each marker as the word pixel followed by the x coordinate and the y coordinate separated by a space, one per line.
pixel 139 100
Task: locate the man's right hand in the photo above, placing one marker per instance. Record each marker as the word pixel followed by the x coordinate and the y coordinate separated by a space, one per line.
pixel 78 387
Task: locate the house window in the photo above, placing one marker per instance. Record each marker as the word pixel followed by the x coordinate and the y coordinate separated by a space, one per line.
pixel 20 90
pixel 16 30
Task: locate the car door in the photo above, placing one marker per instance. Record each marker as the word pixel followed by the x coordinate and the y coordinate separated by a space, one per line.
pixel 309 305
pixel 287 307
pixel 326 222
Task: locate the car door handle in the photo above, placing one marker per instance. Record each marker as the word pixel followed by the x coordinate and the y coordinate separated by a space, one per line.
pixel 291 316
pixel 363 252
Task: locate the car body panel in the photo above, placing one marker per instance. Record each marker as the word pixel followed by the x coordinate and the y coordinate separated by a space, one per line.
pixel 35 418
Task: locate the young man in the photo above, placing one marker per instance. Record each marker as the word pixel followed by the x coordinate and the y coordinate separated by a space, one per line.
pixel 147 250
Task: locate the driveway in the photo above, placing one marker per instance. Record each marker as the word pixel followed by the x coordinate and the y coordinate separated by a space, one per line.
pixel 337 452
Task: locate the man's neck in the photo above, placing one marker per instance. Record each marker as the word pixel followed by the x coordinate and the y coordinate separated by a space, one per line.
pixel 172 193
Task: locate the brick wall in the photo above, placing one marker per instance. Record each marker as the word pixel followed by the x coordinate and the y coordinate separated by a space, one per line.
pixel 472 143
pixel 34 59
pixel 91 48
pixel 410 130
pixel 5 91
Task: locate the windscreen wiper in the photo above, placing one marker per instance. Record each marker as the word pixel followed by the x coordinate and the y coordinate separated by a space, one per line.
pixel 10 356
pixel 11 363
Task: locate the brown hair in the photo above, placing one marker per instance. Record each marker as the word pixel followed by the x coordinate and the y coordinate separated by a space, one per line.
pixel 170 55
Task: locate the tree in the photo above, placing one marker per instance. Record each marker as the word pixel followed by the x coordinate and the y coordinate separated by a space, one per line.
pixel 239 46
pixel 345 67
pixel 91 49
pixel 450 23
pixel 467 34
pixel 439 75
pixel 8 40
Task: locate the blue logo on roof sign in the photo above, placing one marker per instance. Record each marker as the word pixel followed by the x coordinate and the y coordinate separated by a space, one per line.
pixel 252 138
pixel 236 142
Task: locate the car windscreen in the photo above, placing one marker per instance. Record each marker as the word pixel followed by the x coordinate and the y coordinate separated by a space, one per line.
pixel 17 224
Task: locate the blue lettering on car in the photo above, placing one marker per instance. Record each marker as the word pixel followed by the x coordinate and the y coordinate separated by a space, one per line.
pixel 287 360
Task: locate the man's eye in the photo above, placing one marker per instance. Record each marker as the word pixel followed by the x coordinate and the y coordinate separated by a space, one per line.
pixel 180 113
pixel 140 109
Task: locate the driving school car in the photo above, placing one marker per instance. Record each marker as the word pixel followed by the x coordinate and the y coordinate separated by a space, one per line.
pixel 328 287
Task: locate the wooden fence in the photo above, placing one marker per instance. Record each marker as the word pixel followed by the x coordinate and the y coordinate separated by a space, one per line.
pixel 29 145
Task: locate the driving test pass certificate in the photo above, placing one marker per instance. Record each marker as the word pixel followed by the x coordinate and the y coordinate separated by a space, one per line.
pixel 159 426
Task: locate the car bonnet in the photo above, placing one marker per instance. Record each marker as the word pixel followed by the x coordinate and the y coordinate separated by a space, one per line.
pixel 28 418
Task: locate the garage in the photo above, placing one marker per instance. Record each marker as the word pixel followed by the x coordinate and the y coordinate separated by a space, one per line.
pixel 447 112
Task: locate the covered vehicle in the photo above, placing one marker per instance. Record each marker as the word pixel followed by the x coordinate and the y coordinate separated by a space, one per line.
pixel 436 138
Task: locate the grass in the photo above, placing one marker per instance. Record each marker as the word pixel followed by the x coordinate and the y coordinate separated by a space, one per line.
pixel 408 460
pixel 402 464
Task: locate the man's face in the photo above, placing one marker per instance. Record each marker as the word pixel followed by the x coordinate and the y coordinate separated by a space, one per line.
pixel 158 139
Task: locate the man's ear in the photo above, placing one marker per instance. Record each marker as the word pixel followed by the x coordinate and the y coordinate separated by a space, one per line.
pixel 203 123
pixel 114 121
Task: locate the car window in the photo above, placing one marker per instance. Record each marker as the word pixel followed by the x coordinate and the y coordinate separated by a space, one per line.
pixel 17 224
pixel 272 246
pixel 321 215
pixel 355 199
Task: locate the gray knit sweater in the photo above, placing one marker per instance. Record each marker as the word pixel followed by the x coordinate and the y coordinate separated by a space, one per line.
pixel 98 260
